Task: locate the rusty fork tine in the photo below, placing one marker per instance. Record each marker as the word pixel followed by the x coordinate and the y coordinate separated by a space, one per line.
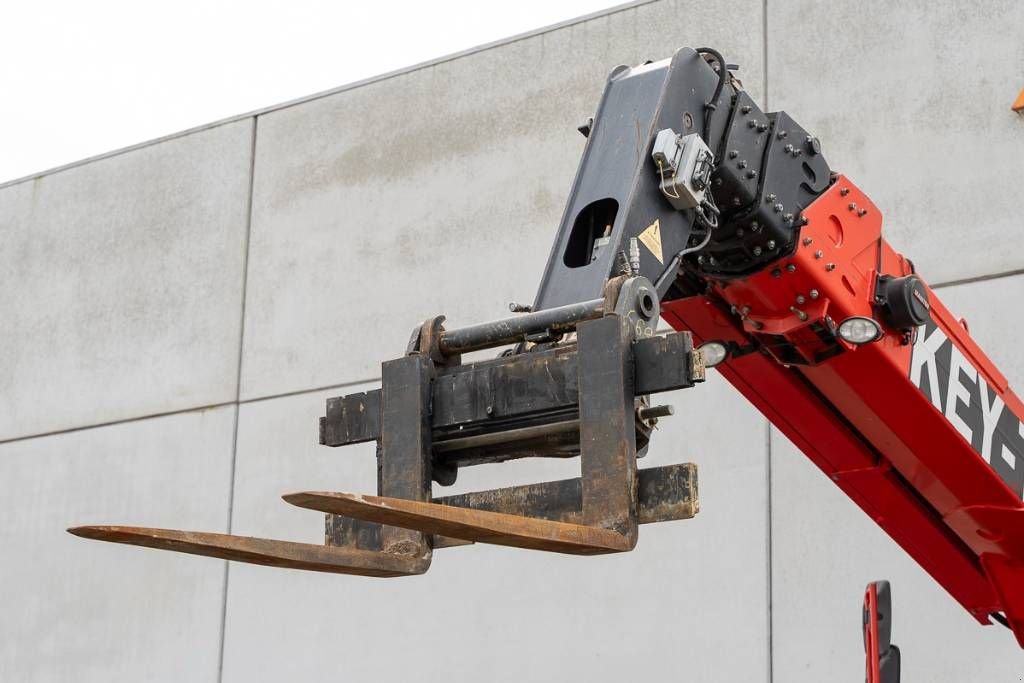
pixel 472 525
pixel 286 554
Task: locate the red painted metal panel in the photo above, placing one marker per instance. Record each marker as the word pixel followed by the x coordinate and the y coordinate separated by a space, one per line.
pixel 919 429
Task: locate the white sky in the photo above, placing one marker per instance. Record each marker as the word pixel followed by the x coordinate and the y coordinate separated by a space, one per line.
pixel 79 78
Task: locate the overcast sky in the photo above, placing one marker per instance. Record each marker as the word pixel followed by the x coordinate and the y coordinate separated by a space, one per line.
pixel 79 78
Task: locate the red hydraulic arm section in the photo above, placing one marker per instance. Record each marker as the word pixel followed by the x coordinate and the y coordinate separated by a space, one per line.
pixel 920 429
pixel 881 657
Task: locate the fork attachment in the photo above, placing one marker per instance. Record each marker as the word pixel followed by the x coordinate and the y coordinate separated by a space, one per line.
pixel 549 396
pixel 575 383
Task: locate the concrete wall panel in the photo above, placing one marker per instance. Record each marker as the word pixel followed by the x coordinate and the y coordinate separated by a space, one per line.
pixel 912 101
pixel 123 284
pixel 77 610
pixel 436 191
pixel 486 613
pixel 825 551
pixel 439 191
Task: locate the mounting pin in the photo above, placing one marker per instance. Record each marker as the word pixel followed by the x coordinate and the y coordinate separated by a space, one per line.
pixel 654 412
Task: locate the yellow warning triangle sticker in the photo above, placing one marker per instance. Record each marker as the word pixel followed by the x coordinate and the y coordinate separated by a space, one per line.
pixel 651 238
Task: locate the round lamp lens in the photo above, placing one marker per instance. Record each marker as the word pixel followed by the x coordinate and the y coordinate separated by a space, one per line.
pixel 858 330
pixel 714 353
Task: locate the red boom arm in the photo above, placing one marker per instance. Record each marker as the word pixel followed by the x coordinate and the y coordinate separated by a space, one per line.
pixel 920 430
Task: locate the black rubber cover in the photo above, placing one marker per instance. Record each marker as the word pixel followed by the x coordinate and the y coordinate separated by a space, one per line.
pixel 903 300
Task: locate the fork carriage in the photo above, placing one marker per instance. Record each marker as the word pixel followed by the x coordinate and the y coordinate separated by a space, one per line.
pixel 576 383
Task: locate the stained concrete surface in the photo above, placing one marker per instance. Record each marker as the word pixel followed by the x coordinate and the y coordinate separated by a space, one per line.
pixel 123 284
pixel 77 610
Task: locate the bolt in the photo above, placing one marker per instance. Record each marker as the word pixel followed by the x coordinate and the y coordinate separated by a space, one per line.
pixel 830 267
pixel 757 251
pixel 787 216
pixel 799 314
pixel 776 273
pixel 771 244
pixel 742 164
pixel 755 226
pixel 778 208
pixel 740 232
pixel 654 412
pixel 787 149
pixel 797 152
pixel 745 311
pixel 781 134
pixel 732 309
pixel 490 410
pixel 851 206
pixel 862 213
pixel 701 259
pixel 751 174
pixel 770 198
pixel 791 268
pixel 718 182
pixel 762 127
pixel 745 109
pixel 733 154
pixel 844 191
pixel 807 241
pixel 800 299
pixel 751 123
pixel 519 308
pixel 819 254
pixel 736 201
pixel 814 294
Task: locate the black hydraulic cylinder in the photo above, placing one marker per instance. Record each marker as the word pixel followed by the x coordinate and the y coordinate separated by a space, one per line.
pixel 516 329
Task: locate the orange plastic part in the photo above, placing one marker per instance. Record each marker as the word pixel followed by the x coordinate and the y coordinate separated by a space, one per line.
pixel 1019 104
